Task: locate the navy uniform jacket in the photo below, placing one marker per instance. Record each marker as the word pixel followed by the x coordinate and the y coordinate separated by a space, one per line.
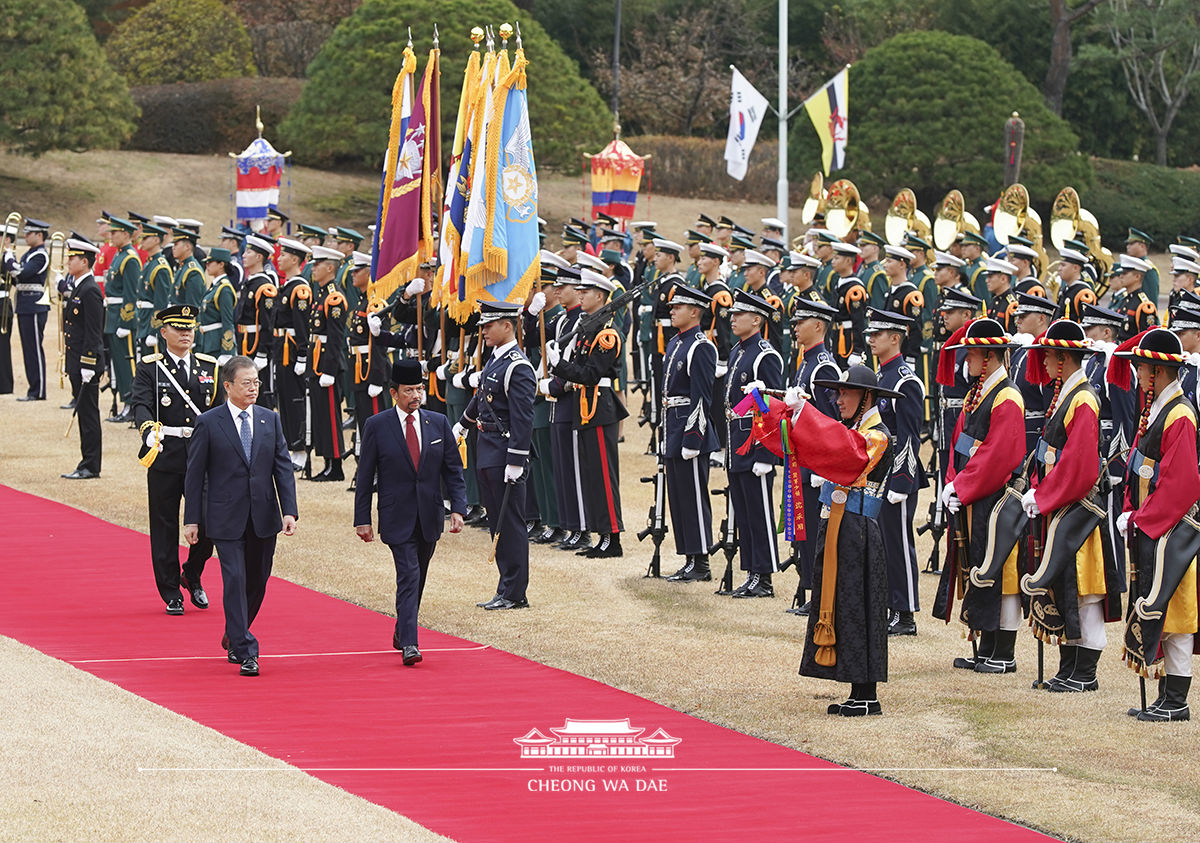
pixel 714 320
pixel 664 330
pixel 903 417
pixel 1141 313
pixel 502 407
pixel 1118 412
pixel 1072 298
pixel 408 494
pixel 816 363
pixel 593 367
pixel 564 409
pixel 752 359
pixel 689 370
pixel 239 492
pixel 542 406
pixel 155 398
pixel 31 270
pixel 83 323
pixel 367 356
pixel 906 300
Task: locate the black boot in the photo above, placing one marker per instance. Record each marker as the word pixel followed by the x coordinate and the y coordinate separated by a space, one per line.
pixel 1066 665
pixel 331 472
pixel 696 570
pixel 1002 659
pixel 741 589
pixel 902 624
pixel 1083 673
pixel 1162 690
pixel 863 701
pixel 758 585
pixel 983 649
pixel 609 547
pixel 586 550
pixel 799 604
pixel 684 569
pixel 1173 705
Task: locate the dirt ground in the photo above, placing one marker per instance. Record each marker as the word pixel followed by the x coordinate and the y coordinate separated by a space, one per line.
pixel 734 663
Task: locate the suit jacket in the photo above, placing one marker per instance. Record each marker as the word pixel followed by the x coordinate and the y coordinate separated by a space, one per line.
pixel 264 487
pixel 384 455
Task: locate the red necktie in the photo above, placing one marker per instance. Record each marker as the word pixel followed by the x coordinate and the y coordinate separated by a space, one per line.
pixel 410 435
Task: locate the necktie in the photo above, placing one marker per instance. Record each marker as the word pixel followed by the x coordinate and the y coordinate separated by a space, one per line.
pixel 410 435
pixel 183 373
pixel 244 430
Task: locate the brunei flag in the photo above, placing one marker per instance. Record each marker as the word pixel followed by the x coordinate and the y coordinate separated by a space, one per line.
pixel 829 111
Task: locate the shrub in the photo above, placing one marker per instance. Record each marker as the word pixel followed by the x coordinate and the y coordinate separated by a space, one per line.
pixel 695 168
pixel 181 41
pixel 1162 201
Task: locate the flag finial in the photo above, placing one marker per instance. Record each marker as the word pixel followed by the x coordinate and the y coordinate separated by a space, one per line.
pixel 518 25
pixel 435 36
pixel 477 35
pixel 410 37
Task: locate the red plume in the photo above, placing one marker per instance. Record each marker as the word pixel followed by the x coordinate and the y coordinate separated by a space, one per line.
pixel 945 369
pixel 1120 373
pixel 1035 364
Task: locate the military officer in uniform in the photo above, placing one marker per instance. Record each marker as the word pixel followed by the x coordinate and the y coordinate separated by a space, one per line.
pixel 155 286
pixel 871 270
pixel 689 369
pixel 32 304
pixel 218 310
pixel 976 268
pixel 502 411
pixel 903 297
pixel 1141 311
pixel 327 361
pixel 1024 257
pixel 1075 288
pixel 255 314
pixel 1137 245
pixel 1185 271
pixel 189 283
pixel 8 238
pixel 369 364
pixel 541 312
pixel 999 274
pixel 1033 317
pixel 290 352
pixel 121 286
pixel 171 388
pixel 850 297
pixel 753 362
pixel 83 333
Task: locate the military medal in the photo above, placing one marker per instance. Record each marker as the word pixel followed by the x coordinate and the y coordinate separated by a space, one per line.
pixel 165 401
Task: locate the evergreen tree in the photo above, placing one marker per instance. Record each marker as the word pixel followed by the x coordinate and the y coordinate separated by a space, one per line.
pixel 181 41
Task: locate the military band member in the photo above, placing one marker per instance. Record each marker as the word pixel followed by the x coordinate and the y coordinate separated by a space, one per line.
pixel 218 309
pixel 255 314
pixel 592 368
pixel 155 286
pixel 956 309
pixel 1185 270
pixel 850 298
pixel 1137 245
pixel 1141 311
pixel 171 388
pixel 826 280
pixel 871 269
pixel 574 242
pixel 689 368
pixel 502 411
pixel 1032 317
pixel 753 362
pixel 1075 287
pixel 1003 309
pixel 1024 257
pixel 989 446
pixel 666 263
pixel 310 235
pixel 31 304
pixel 290 351
pixel 1076 585
pixel 774 250
pixel 1159 518
pixel 234 241
pixel 327 361
pixel 188 285
pixel 1185 324
pixel 83 333
pixel 274 229
pixel 903 297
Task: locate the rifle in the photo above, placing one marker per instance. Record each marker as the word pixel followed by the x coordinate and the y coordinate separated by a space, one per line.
pixel 936 522
pixel 308 439
pixel 591 322
pixel 656 527
pixel 1035 556
pixel 727 542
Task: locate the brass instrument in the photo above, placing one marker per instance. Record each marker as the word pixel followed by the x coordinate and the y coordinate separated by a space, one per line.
pixel 1068 218
pixel 54 272
pixel 904 216
pixel 951 220
pixel 1013 216
pixel 8 306
pixel 814 205
pixel 845 210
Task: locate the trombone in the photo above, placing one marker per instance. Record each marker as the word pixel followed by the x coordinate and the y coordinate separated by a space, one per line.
pixel 12 224
pixel 54 273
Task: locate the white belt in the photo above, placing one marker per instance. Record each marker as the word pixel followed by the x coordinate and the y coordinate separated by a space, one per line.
pixel 604 382
pixel 1034 414
pixel 360 349
pixel 318 338
pixel 280 332
pixel 666 323
pixel 204 329
pixel 847 324
pixel 3 294
pixel 677 400
pixel 110 301
pixel 177 432
pixel 30 288
pixel 646 308
pixel 248 329
pixel 952 403
pixel 144 305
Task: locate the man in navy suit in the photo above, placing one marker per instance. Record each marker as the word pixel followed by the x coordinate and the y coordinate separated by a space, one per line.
pixel 411 453
pixel 240 450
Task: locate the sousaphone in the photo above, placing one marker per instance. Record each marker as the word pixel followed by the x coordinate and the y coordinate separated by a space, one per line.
pixel 844 209
pixel 904 216
pixel 1068 218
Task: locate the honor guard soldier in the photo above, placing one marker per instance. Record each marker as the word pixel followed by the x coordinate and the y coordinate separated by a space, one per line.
pixel 1137 245
pixel 541 312
pixel 811 317
pixel 989 447
pixel 310 235
pixel 234 241
pixel 736 263
pixel 327 361
pixel 715 324
pixel 1075 288
pixel 255 314
pixel 904 298
pixel 172 387
pixel 1185 324
pixel 666 262
pixel 1076 585
pixel 574 241
pixel 1141 311
pixel 1003 309
pixel 1185 270
pixel 8 239
pixel 502 410
pixel 826 280
pixel 189 277
pixel 592 368
pixel 750 466
pixel 347 241
pixel 155 286
pixel 1024 257
pixel 757 265
pixel 774 250
pixel 1033 317
pixel 83 336
pixel 973 246
pixel 871 269
pixel 689 368
pixel 1159 520
pixel 370 365
pixel 290 357
pixel 693 277
pixel 121 285
pixel 850 298
pixel 274 228
pixel 902 416
pixel 949 273
pixel 167 224
pixel 218 310
pixel 31 304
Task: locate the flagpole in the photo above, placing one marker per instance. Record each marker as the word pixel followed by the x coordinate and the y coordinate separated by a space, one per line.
pixel 781 188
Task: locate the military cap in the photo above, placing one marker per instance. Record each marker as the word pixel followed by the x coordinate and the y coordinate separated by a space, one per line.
pixel 306 230
pixel 594 280
pixel 260 244
pixel 771 244
pixel 348 235
pixel 493 311
pixel 1076 244
pixel 611 256
pixel 407 372
pixel 898 253
pixel 178 234
pixel 1093 315
pixel 1072 256
pixel 324 253
pixel 572 235
pixel 941 258
pixel 647 235
pixel 1128 263
pixel 912 240
pixel 122 224
pixel 190 224
pixel 178 316
pixel 33 226
pixel 165 221
pixel 609 234
pixel 276 214
pixel 843 248
pixel 773 224
pixel 228 233
pixel 998 266
pixel 1020 240
pixel 568 276
pixel 1181 266
pixel 664 245
pixel 725 222
pixel 824 235
pixel 871 237
pixel 1185 315
pixel 1183 251
pixel 746 302
pixel 754 256
pixel 1018 250
pixel 79 247
pixel 705 219
pixel 1184 240
pixel 550 258
pixel 739 241
pixel 219 254
pixel 886 320
pixel 294 247
pixel 1034 304
pixel 104 217
pixel 712 250
pixel 641 225
pixel 136 217
pixel 150 230
pixel 360 260
pixel 609 219
pixel 1136 235
pixel 690 295
pixel 803 308
pixel 589 261
pixel 971 238
pixel 799 260
pixel 956 299
pixel 693 237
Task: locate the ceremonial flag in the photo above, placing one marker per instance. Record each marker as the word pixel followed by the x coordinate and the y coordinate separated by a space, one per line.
pixel 616 177
pixel 259 171
pixel 458 181
pixel 829 111
pixel 483 174
pixel 746 110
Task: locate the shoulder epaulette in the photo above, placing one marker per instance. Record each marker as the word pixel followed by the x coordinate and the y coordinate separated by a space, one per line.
pixel 151 358
pixel 207 358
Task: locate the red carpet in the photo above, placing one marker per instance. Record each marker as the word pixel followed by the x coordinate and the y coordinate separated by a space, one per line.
pixel 435 743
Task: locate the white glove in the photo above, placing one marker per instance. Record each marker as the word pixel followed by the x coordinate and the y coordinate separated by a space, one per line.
pixel 374 390
pixel 260 362
pixel 452 354
pixel 537 303
pixel 1123 524
pixel 816 481
pixel 474 378
pixel 553 354
pixel 795 398
pixel 544 387
pixel 950 499
pixel 442 370
pixel 414 288
pixel 326 381
pixel 152 340
pixel 424 367
pixel 458 430
pixel 223 359
pixel 761 469
pixel 854 360
pixel 722 368
pixel 512 473
pixel 688 453
pixel 1029 504
pixel 459 381
pixel 301 366
pixel 9 256
pixel 374 324
pixel 86 375
pixel 122 333
pixel 759 385
pixel 150 443
pixel 896 498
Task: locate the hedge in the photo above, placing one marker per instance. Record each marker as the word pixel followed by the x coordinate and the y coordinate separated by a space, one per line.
pixel 695 168
pixel 1162 201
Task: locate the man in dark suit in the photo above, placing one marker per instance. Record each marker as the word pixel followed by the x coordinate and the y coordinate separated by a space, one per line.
pixel 241 451
pixel 412 452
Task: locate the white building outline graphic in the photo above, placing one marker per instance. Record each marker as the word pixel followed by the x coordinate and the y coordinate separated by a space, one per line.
pixel 597 739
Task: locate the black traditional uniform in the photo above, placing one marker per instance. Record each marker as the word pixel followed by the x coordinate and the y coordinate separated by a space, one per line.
pixel 564 436
pixel 326 362
pixel 83 332
pixel 851 320
pixel 32 306
pixel 289 358
pixel 168 394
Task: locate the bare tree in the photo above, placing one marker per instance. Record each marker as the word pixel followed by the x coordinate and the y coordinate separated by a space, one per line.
pixel 1062 18
pixel 1158 42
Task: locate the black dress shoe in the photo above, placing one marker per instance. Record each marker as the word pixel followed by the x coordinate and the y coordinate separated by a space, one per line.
pixel 801 610
pixel 411 655
pixel 70 406
pixel 474 514
pixel 856 708
pixel 120 417
pixel 533 528
pixel 484 604
pixel 569 536
pixel 349 423
pixel 231 658
pixel 175 607
pixel 81 474
pixel 32 398
pixel 250 667
pixel 396 645
pixel 505 603
pixel 199 598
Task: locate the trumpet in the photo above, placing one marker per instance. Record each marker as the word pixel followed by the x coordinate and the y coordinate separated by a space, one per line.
pixel 12 224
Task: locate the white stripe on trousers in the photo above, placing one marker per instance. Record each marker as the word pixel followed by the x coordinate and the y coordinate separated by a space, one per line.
pixel 910 566
pixel 771 539
pixel 704 527
pixel 583 525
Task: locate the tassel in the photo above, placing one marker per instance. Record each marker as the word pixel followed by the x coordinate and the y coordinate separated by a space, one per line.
pixel 1035 364
pixel 1120 372
pixel 151 455
pixel 945 368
